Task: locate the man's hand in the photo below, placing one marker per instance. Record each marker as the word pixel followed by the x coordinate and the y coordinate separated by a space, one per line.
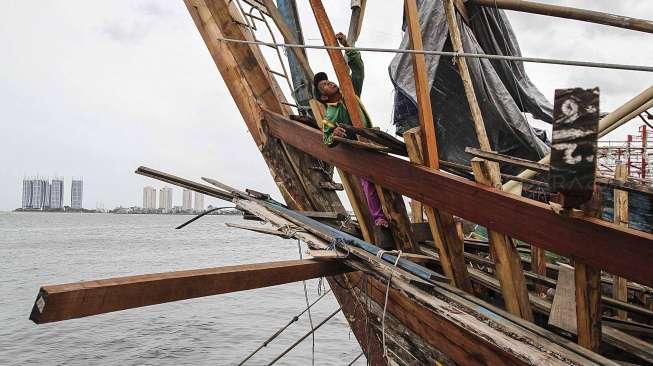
pixel 342 38
pixel 340 132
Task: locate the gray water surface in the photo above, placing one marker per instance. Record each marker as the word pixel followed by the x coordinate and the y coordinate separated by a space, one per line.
pixel 38 249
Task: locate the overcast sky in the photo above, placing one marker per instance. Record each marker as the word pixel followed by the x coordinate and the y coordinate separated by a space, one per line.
pixel 94 89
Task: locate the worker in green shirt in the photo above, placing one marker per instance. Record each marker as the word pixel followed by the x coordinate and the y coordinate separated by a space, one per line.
pixel 336 114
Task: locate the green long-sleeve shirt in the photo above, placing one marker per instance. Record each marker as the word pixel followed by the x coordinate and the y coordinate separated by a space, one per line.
pixel 336 113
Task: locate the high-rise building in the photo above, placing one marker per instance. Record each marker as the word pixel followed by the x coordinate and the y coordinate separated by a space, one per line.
pixel 187 200
pixel 76 190
pixel 40 190
pixel 27 193
pixel 56 193
pixel 165 198
pixel 149 198
pixel 199 201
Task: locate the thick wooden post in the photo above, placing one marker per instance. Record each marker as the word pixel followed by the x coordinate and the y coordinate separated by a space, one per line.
pixel 506 259
pixel 572 174
pixel 619 287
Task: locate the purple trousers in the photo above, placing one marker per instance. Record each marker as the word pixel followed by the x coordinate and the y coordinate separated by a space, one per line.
pixel 373 202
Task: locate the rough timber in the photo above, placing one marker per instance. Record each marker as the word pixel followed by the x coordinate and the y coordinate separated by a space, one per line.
pixel 427 321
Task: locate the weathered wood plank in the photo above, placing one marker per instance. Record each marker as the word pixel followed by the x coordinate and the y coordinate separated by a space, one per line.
pixel 80 299
pixel 506 259
pixel 441 224
pixel 521 218
pixel 619 288
pixel 614 20
pixel 573 147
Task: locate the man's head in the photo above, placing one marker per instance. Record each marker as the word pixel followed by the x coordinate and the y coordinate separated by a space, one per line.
pixel 324 90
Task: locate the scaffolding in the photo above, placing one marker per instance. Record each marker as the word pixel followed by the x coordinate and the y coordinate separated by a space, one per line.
pixel 636 152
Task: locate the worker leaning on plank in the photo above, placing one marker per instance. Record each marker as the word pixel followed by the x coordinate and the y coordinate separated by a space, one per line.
pixel 328 93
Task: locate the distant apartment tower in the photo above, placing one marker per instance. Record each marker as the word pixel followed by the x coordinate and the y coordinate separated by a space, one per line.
pixel 165 198
pixel 187 200
pixel 40 197
pixel 56 193
pixel 199 201
pixel 27 193
pixel 149 198
pixel 76 191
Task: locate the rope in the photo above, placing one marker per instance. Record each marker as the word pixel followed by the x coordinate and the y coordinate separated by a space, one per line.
pixel 355 359
pixel 387 292
pixel 454 54
pixel 282 329
pixel 305 336
pixel 308 307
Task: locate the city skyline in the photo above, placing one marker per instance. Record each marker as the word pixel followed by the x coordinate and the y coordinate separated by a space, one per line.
pixel 40 193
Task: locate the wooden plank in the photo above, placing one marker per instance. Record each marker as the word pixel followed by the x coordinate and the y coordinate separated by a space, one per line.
pixel 356 20
pixel 619 288
pixel 563 308
pixel 338 61
pixel 422 88
pixel 441 224
pixel 502 158
pixel 573 146
pixel 506 259
pixel 619 339
pixel 416 212
pixel 614 20
pixel 468 85
pixel 588 306
pixel 80 299
pixel 519 217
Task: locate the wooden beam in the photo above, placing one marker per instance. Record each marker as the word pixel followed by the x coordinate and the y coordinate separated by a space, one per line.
pixel 620 198
pixel 338 61
pixel 422 89
pixel 521 218
pixel 468 85
pixel 507 159
pixel 442 225
pixel 506 259
pixel 588 290
pixel 614 20
pixel 80 299
pixel 356 20
pixel 394 209
pixel 424 151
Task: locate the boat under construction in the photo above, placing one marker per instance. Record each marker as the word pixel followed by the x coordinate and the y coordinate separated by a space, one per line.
pixel 498 244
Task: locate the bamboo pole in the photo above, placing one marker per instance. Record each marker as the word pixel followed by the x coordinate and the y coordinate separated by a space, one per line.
pixel 613 20
pixel 616 118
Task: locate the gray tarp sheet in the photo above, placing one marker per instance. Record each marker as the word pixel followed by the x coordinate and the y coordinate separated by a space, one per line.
pixel 502 88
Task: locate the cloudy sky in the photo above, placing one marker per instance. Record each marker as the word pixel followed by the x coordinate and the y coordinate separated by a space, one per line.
pixel 94 89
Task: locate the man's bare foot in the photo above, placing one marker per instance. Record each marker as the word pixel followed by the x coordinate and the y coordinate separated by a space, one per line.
pixel 381 222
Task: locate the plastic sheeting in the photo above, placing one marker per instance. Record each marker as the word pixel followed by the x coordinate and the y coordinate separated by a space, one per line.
pixel 503 89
